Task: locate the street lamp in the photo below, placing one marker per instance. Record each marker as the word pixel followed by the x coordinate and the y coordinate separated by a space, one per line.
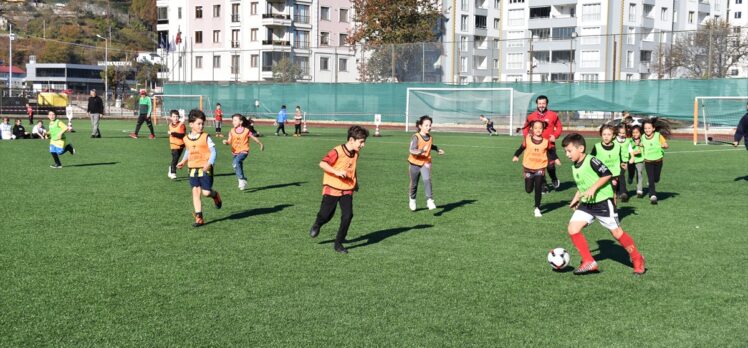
pixel 106 73
pixel 571 55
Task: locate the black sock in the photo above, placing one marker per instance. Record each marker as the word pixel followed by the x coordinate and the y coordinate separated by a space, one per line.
pixel 552 173
pixel 56 158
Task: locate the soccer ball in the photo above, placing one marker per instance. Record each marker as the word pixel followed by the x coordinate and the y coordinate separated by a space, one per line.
pixel 558 258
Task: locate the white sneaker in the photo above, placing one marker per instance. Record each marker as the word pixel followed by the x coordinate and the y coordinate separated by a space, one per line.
pixel 537 213
pixel 430 204
pixel 172 176
pixel 242 184
pixel 412 204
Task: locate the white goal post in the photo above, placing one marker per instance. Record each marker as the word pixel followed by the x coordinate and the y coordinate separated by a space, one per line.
pixel 715 117
pixel 455 105
pixel 163 103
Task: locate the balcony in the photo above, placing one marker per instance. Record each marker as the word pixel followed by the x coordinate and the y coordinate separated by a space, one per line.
pixel 301 19
pixel 301 45
pixel 276 45
pixel 276 20
pixel 644 67
pixel 234 18
pixel 234 44
pixel 552 22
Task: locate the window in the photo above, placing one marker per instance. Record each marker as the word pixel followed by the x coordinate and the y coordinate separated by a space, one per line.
pixel 590 59
pixel 541 34
pixel 253 8
pixel 480 42
pixel 179 13
pixel 516 17
pixel 631 36
pixel 216 11
pixel 515 39
pixel 254 60
pixel 690 17
pixel 738 15
pixel 563 33
pixel 464 43
pixel 495 3
pixel 541 57
pixel 198 12
pixel 591 12
pixel 629 77
pixel 235 13
pixel 324 39
pixel 495 63
pixel 496 23
pixel 734 72
pixel 302 14
pixel 179 62
pixel 343 64
pixel 647 10
pixel 590 36
pixel 515 60
pixel 632 13
pixel 663 14
pixel 235 64
pixel 343 40
pixel 198 37
pixel 344 15
pixel 464 5
pixel 645 56
pixel 216 36
pixel 463 80
pixel 480 22
pixel 198 62
pixel 324 13
pixel 738 2
pixel 324 63
pixel 463 64
pixel 235 38
pixel 516 1
pixel 590 77
pixel 302 39
pixel 629 59
pixel 561 56
pixel 463 23
pixel 253 35
pixel 216 62
pixel 162 14
pixel 540 12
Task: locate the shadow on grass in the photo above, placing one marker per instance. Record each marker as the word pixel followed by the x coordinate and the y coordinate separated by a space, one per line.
pixel 275 186
pixel 93 164
pixel 251 212
pixel 224 174
pixel 547 208
pixel 564 186
pixel 378 236
pixel 566 269
pixel 452 206
pixel 661 196
pixel 625 211
pixel 741 178
pixel 608 249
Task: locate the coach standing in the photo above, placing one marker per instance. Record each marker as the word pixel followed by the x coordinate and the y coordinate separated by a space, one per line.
pixel 552 132
pixel 95 111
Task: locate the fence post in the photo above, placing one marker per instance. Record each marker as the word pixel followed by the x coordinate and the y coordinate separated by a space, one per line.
pixel 392 63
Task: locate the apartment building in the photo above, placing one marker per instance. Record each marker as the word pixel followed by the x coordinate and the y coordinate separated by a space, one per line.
pixel 737 15
pixel 472 41
pixel 239 40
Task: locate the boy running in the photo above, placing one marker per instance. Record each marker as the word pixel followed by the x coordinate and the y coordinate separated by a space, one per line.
pixel 176 132
pixel 57 143
pixel 489 125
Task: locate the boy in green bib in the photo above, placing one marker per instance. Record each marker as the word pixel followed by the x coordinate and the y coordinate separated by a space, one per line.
pixel 594 200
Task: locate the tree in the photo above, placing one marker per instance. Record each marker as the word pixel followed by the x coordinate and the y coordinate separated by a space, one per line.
pixel 709 52
pixel 286 71
pixel 393 32
pixel 55 52
pixel 147 73
pixel 144 11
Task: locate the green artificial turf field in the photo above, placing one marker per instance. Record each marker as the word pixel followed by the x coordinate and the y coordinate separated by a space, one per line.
pixel 102 253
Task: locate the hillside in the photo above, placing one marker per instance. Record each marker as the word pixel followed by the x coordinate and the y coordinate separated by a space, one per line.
pixel 65 31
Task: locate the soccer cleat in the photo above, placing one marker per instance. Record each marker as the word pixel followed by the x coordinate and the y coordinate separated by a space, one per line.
pixel 587 267
pixel 412 204
pixel 639 265
pixel 340 249
pixel 430 204
pixel 314 231
pixel 151 136
pixel 217 200
pixel 54 166
pixel 653 199
pixel 172 176
pixel 242 184
pixel 199 221
pixel 639 194
pixel 556 184
pixel 624 197
pixel 133 135
pixel 537 213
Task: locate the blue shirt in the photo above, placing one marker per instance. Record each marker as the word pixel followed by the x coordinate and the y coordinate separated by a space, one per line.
pixel 281 116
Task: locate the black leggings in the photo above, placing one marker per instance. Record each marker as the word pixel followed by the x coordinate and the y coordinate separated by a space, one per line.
pixel 535 183
pixel 175 154
pixel 144 118
pixel 621 182
pixel 327 210
pixel 281 128
pixel 297 129
pixel 653 175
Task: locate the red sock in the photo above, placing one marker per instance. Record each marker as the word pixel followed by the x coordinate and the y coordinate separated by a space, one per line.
pixel 581 244
pixel 628 244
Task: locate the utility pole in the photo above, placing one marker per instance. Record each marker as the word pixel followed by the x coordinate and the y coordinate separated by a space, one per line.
pixel 10 59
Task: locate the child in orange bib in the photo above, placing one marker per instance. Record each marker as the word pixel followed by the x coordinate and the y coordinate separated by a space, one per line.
pixel 239 140
pixel 339 180
pixel 419 161
pixel 176 133
pixel 534 161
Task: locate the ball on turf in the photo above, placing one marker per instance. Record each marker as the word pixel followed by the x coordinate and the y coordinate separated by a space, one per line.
pixel 558 258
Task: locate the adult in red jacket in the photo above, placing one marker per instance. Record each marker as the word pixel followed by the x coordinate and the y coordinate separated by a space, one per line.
pixel 552 132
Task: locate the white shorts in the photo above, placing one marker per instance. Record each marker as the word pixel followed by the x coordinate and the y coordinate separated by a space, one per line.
pixel 605 212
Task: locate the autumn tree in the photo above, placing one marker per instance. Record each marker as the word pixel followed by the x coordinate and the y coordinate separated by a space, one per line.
pixel 392 33
pixel 709 52
pixel 286 71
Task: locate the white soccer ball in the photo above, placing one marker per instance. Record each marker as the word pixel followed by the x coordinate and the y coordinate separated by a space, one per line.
pixel 558 258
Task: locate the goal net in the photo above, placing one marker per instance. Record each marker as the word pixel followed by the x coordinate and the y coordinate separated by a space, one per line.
pixel 462 106
pixel 715 118
pixel 164 103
